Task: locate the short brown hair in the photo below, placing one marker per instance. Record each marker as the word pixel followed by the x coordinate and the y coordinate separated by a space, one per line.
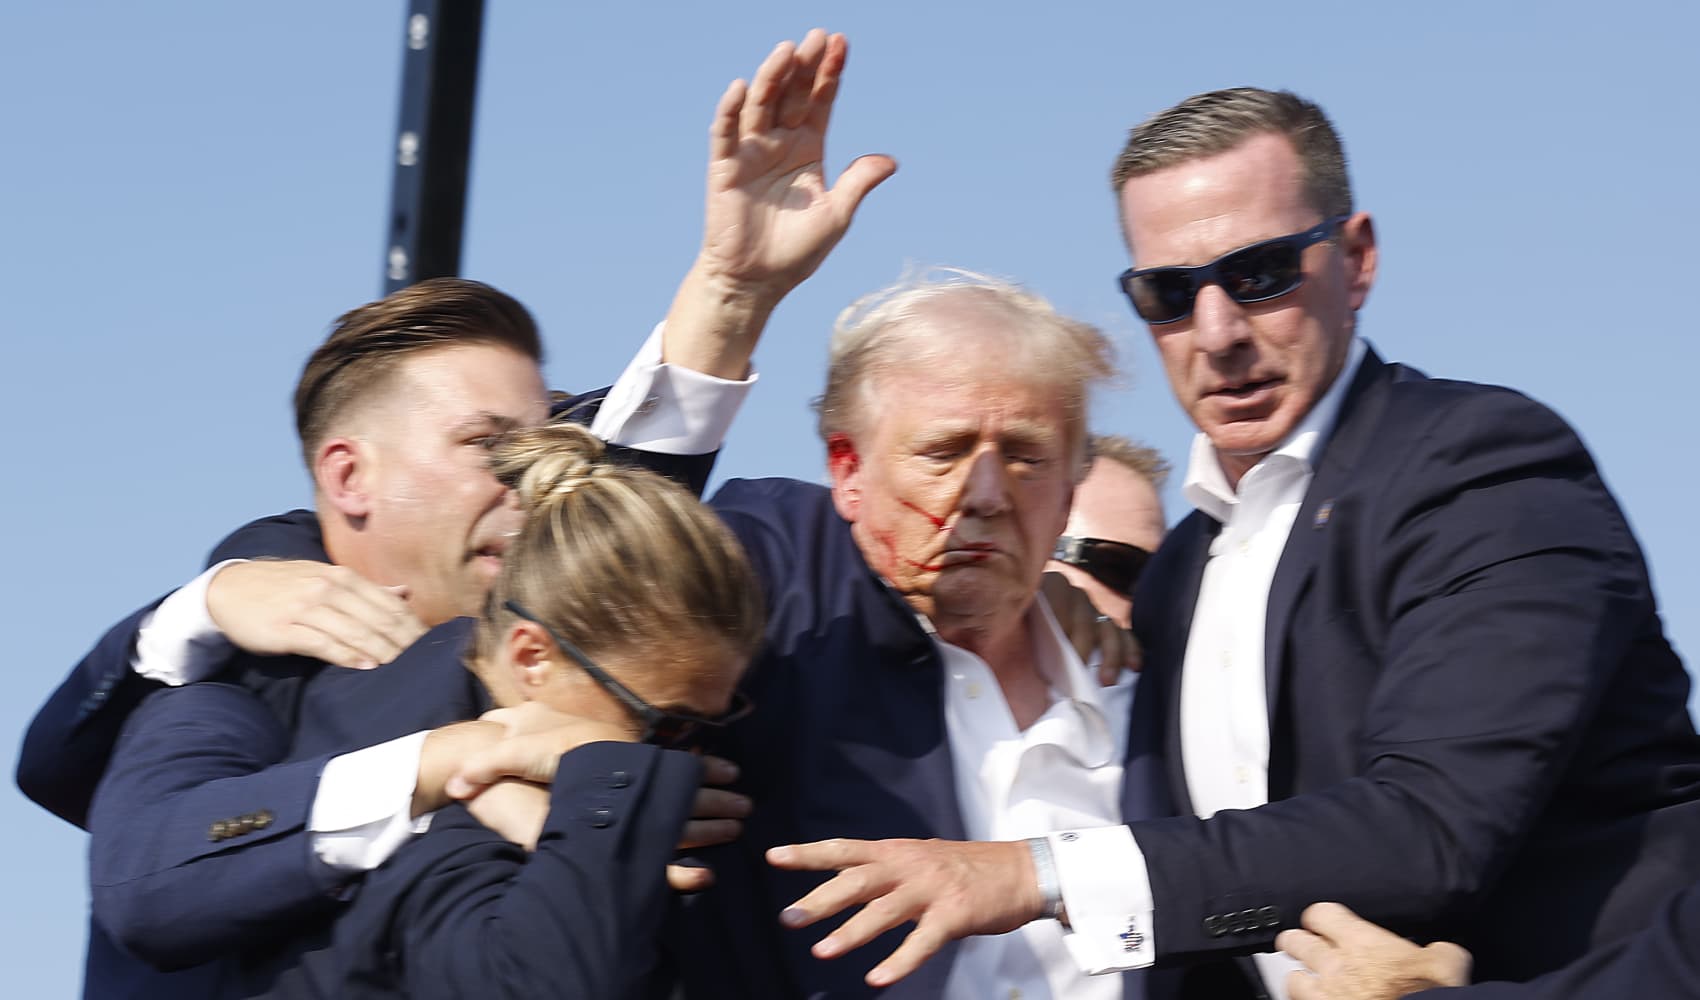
pixel 1212 123
pixel 365 343
pixel 616 557
pixel 1143 460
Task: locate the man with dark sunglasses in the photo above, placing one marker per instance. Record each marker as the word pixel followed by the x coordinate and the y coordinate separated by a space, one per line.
pixel 1404 654
pixel 1114 524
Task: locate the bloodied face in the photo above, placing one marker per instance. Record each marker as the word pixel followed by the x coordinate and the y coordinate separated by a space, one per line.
pixel 958 483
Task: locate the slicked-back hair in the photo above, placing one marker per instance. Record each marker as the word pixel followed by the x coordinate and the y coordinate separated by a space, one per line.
pixel 366 345
pixel 1212 123
pixel 885 331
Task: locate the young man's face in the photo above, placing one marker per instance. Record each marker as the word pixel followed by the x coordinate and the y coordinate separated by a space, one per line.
pixel 436 520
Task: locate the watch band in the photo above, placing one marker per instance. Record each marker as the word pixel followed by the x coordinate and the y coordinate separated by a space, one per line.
pixel 1045 869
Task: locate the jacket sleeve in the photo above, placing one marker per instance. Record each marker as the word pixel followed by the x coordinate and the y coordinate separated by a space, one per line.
pixel 1505 594
pixel 66 749
pixel 1662 961
pixel 69 741
pixel 198 835
pixel 476 916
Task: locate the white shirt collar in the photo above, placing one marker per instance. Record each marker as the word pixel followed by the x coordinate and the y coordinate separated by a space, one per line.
pixel 1206 486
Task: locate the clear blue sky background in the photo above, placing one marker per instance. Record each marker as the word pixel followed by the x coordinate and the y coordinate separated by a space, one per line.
pixel 192 191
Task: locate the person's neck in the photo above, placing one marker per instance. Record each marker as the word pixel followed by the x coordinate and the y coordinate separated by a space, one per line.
pixel 1006 644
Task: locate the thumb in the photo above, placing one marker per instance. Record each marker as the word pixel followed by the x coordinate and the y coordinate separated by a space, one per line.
pixel 862 175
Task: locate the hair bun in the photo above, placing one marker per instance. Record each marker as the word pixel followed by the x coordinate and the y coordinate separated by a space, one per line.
pixel 540 463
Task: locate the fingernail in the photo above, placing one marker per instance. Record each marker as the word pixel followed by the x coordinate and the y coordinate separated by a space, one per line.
pixel 793 916
pixel 778 855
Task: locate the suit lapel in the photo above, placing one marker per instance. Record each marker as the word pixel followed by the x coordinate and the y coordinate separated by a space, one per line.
pixel 1353 429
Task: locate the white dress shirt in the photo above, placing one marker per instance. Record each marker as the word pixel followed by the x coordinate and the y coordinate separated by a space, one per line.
pixel 1224 720
pixel 1064 770
pixel 362 809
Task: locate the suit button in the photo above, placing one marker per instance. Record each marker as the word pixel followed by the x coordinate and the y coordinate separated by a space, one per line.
pixel 601 817
pixel 619 779
pixel 1270 916
pixel 215 833
pixel 1248 921
pixel 1213 925
pixel 263 819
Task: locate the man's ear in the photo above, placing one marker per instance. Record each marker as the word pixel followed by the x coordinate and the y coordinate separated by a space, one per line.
pixel 1358 240
pixel 342 472
pixel 845 467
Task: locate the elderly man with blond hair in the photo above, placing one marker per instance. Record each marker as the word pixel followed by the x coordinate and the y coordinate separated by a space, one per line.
pixel 913 683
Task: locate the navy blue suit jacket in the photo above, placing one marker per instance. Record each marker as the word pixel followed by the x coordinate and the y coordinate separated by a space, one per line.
pixel 457 912
pixel 848 740
pixel 1477 730
pixel 1662 961
pixel 66 749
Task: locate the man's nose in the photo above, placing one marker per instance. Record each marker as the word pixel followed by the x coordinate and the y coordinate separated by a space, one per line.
pixel 985 487
pixel 1219 323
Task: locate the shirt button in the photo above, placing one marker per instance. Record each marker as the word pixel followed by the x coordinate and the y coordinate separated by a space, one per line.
pixel 1242 774
pixel 973 689
pixel 1014 994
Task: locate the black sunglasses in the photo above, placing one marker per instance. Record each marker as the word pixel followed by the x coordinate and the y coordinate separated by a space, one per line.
pixel 1116 565
pixel 668 730
pixel 1256 273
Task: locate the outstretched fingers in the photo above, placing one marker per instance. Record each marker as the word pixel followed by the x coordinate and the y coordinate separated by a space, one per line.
pixel 723 130
pixel 767 89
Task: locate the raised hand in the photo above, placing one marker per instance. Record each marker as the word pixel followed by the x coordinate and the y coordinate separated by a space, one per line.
pixel 770 218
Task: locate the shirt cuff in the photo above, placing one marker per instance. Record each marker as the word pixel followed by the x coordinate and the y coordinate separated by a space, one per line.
pixel 178 642
pixel 363 810
pixel 1106 894
pixel 668 409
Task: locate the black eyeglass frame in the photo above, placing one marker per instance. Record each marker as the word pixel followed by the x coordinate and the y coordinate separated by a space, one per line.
pixel 668 730
pixel 1204 274
pixel 1087 554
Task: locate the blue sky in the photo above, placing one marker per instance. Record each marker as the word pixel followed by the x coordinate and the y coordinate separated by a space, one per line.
pixel 192 191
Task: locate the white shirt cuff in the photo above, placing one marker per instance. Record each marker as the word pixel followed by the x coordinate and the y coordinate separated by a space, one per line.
pixel 1106 894
pixel 666 408
pixel 362 812
pixel 178 642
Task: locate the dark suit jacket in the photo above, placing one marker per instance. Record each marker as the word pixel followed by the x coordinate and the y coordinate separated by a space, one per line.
pixel 848 740
pixel 68 744
pixel 1477 729
pixel 1660 962
pixel 457 912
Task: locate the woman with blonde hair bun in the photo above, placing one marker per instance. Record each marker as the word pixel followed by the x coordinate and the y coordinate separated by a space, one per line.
pixel 615 634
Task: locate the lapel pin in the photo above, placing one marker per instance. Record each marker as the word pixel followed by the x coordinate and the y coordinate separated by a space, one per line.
pixel 1323 513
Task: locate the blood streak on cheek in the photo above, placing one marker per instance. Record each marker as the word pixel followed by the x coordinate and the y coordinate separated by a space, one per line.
pixel 938 524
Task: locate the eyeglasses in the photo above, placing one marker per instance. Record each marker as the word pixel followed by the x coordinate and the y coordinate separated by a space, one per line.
pixel 1256 273
pixel 1114 564
pixel 668 730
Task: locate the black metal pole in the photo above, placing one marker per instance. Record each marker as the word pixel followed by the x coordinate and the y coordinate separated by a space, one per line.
pixel 439 84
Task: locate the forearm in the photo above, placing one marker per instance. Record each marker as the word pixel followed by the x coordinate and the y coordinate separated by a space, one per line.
pixel 571 918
